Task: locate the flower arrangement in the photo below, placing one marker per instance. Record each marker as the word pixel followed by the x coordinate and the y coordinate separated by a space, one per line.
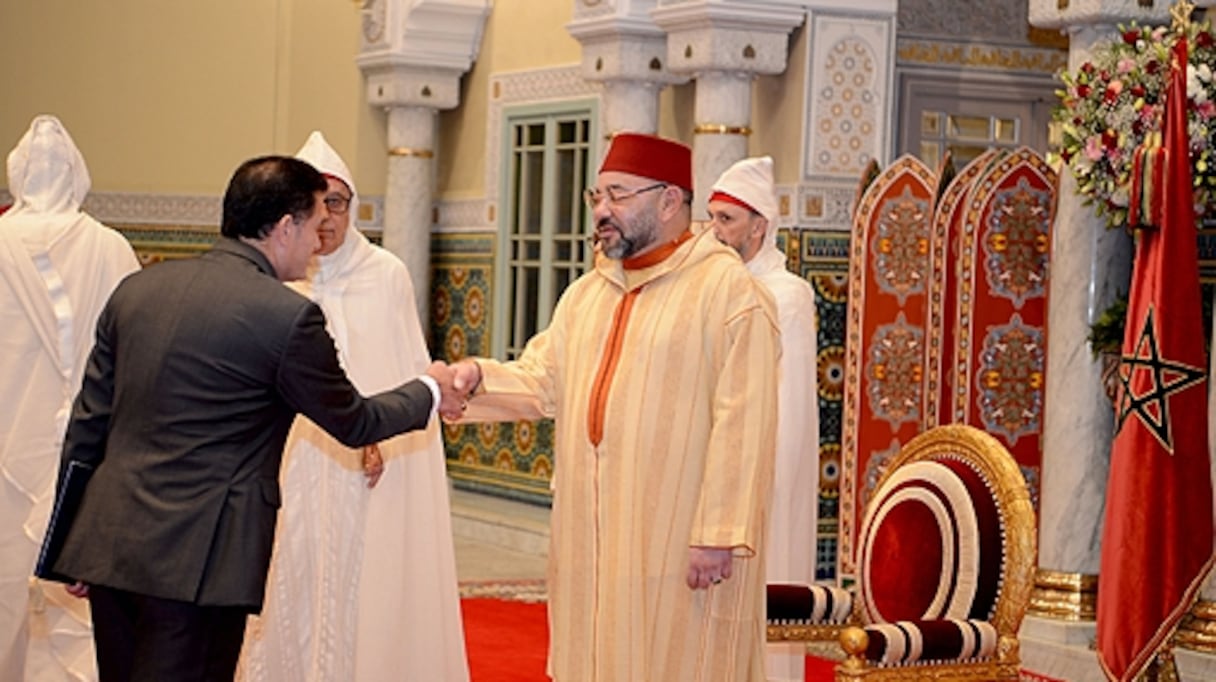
pixel 1112 102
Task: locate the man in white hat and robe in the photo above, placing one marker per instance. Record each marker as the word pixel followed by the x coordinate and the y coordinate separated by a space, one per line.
pixel 743 215
pixel 363 582
pixel 57 268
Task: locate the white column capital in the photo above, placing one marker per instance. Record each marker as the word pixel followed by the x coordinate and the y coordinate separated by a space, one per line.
pixel 749 37
pixel 413 52
pixel 395 84
pixel 622 47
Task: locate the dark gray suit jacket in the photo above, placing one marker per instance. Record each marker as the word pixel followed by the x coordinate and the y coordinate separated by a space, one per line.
pixel 198 369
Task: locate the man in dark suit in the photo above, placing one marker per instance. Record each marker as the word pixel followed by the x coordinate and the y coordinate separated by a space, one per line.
pixel 198 369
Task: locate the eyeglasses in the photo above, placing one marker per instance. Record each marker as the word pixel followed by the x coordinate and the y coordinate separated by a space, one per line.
pixel 336 203
pixel 615 193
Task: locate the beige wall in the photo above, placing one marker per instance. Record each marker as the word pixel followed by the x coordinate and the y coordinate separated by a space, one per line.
pixel 777 115
pixel 168 97
pixel 519 35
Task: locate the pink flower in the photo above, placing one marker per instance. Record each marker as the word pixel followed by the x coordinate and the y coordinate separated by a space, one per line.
pixel 1126 65
pixel 1093 148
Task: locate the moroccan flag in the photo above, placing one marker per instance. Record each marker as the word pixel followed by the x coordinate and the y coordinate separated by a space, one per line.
pixel 1157 537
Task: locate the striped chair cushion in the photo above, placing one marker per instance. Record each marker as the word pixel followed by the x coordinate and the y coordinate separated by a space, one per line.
pixel 909 641
pixel 797 603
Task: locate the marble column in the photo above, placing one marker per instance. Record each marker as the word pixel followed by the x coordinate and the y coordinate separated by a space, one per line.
pixel 1090 268
pixel 723 114
pixel 631 105
pixel 626 53
pixel 409 196
pixel 724 46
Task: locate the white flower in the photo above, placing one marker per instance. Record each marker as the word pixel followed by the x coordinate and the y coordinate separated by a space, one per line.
pixel 1196 76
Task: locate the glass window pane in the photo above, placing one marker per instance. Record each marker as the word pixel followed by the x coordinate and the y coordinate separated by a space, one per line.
pixel 931 124
pixel 563 248
pixel 532 251
pixel 1006 130
pixel 536 134
pixel 532 190
pixel 530 304
pixel 565 191
pixel 516 175
pixel 964 154
pixel 961 127
pixel 566 132
pixel 561 280
pixel 930 153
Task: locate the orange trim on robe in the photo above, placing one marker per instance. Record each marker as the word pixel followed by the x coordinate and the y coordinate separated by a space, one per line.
pixel 620 319
pixel 603 378
pixel 657 256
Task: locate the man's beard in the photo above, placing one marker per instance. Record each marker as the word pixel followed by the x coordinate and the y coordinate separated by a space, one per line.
pixel 643 230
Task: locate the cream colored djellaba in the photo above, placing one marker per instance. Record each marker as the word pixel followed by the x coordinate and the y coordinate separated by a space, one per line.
pixel 686 459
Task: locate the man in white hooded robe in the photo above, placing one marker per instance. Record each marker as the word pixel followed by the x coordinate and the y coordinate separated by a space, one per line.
pixel 743 214
pixel 362 583
pixel 58 266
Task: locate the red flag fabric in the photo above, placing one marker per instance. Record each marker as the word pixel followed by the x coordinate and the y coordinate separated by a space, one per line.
pixel 1157 533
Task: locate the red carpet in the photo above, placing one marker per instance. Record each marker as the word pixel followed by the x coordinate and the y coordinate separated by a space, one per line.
pixel 820 669
pixel 507 641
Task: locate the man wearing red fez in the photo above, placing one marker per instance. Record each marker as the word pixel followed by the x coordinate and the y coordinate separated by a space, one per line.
pixel 660 368
pixel 743 215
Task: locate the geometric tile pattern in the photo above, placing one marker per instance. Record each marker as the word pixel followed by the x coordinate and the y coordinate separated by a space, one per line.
pixel 511 460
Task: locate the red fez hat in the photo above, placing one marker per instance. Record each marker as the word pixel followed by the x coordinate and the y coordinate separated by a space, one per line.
pixel 650 157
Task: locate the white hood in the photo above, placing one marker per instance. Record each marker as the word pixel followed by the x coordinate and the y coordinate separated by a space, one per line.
pixel 46 172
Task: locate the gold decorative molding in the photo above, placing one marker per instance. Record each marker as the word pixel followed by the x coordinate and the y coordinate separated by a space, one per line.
pixel 811 632
pixel 1045 61
pixel 855 668
pixel 720 129
pixel 1064 596
pixel 1198 629
pixel 411 151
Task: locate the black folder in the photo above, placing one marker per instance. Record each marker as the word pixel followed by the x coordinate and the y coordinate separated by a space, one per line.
pixel 67 503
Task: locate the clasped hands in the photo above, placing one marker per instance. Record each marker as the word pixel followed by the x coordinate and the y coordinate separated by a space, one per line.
pixel 457 382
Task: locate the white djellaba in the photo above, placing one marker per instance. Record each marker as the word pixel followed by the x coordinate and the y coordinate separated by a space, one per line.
pixel 57 268
pixel 793 520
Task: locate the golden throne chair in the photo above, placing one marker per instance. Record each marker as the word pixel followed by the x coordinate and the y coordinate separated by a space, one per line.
pixel 945 564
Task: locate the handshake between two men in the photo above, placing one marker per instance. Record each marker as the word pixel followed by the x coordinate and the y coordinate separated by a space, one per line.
pixel 457 383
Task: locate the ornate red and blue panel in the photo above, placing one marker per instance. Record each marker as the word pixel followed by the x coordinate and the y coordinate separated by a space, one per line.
pixel 889 272
pixel 943 294
pixel 999 331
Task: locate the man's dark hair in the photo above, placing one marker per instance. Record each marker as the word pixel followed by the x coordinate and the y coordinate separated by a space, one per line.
pixel 265 189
